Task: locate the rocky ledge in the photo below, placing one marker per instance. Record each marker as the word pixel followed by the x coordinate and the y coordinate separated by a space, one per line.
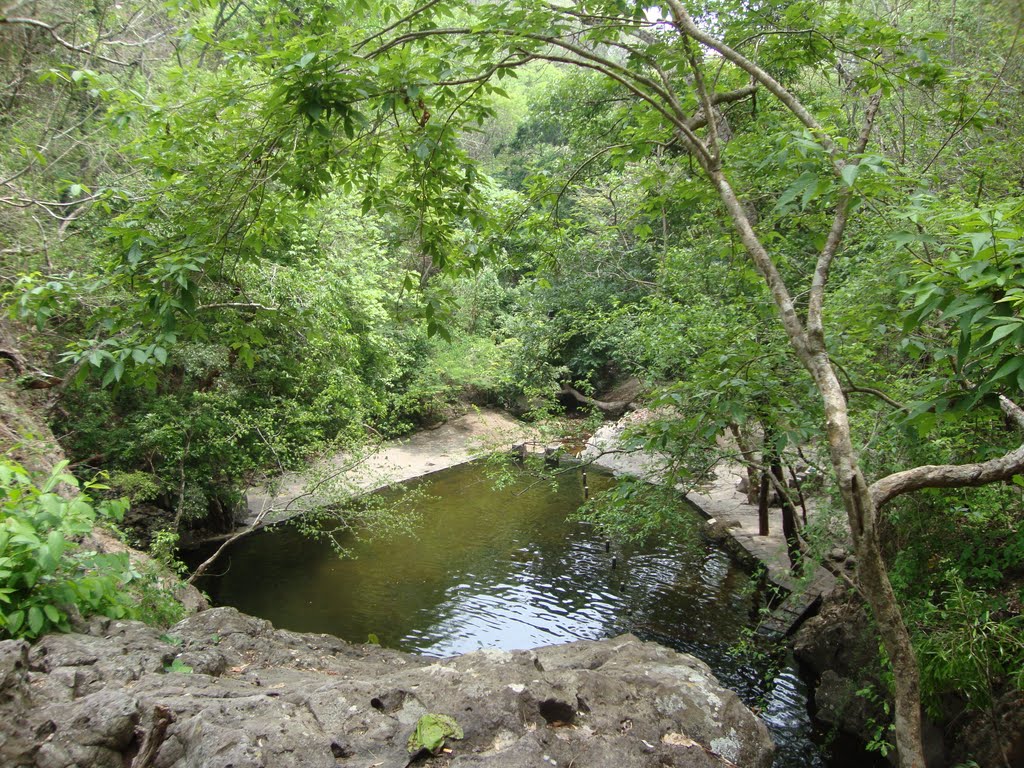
pixel 224 689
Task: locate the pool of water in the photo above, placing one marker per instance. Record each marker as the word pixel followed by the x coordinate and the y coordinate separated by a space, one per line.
pixel 506 568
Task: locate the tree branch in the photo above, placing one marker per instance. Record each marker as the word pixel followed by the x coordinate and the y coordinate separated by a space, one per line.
pixel 52 31
pixel 866 390
pixel 34 378
pixel 258 523
pixel 700 119
pixel 416 12
pixel 237 305
pixel 612 409
pixel 705 104
pixel 955 475
pixel 684 23
pixel 816 301
pixel 681 124
pixel 577 172
pixel 645 88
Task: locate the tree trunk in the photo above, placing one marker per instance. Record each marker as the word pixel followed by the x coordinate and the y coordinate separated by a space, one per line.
pixel 749 462
pixel 610 409
pixel 809 344
pixel 763 494
pixel 874 582
pixel 789 526
pixel 871 571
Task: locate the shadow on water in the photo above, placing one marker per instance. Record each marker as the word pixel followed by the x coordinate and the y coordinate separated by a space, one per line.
pixel 507 569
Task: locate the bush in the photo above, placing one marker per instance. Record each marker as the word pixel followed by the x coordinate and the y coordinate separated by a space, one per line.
pixel 472 369
pixel 968 644
pixel 45 574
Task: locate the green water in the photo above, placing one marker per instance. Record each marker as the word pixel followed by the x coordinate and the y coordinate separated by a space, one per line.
pixel 505 568
pixel 491 568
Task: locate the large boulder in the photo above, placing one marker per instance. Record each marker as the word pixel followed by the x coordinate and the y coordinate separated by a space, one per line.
pixel 225 689
pixel 841 638
pixel 994 737
pixel 839 645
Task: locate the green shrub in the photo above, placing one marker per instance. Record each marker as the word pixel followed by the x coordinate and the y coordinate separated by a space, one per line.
pixel 472 369
pixel 633 510
pixel 45 574
pixel 967 644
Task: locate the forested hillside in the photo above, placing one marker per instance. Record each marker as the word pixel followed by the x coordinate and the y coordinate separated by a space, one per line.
pixel 238 235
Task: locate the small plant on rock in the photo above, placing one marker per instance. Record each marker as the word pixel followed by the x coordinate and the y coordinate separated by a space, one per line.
pixel 45 574
pixel 431 732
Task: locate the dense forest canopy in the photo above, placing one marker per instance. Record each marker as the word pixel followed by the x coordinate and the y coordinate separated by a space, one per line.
pixel 237 234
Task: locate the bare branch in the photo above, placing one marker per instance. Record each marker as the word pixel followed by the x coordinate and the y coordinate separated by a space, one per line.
pixel 22 172
pixel 612 409
pixel 288 510
pixel 52 31
pixel 700 119
pixel 204 566
pixel 816 301
pixel 417 35
pixel 33 377
pixel 705 103
pixel 955 475
pixel 680 123
pixel 416 12
pixel 237 305
pixel 684 23
pixel 866 390
pixel 578 171
pixel 655 94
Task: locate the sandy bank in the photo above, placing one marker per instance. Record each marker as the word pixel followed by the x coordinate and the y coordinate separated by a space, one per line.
pixel 463 439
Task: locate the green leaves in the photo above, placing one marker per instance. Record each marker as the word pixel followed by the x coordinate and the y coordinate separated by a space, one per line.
pixel 42 570
pixel 849 174
pixel 178 667
pixel 635 511
pixel 432 731
pixel 966 287
pixel 808 186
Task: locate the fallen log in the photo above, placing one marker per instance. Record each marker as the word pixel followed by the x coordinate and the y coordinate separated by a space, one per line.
pixel 610 409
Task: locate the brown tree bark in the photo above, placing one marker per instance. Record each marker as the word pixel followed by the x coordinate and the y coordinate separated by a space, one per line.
pixel 749 461
pixel 790 530
pixel 763 494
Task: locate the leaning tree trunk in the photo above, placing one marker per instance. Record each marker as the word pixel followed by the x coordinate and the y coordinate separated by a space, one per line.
pixel 749 461
pixel 763 497
pixel 872 575
pixel 789 526
pixel 808 341
pixel 610 409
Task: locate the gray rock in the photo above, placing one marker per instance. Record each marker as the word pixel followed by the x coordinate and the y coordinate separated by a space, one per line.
pixel 838 703
pixel 837 554
pixel 994 737
pixel 13 669
pixel 260 697
pixel 840 638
